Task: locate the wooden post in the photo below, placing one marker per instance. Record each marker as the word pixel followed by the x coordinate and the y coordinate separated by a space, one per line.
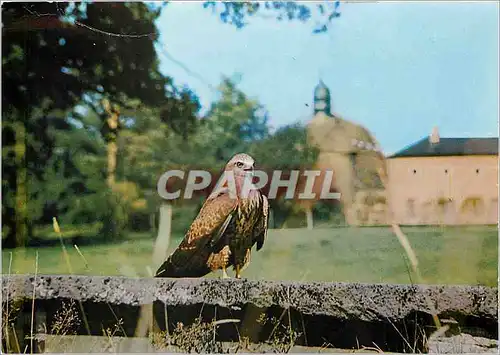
pixel 152 222
pixel 270 224
pixel 40 331
pixel 250 326
pixel 159 255
pixel 146 320
pixel 309 218
pixel 164 231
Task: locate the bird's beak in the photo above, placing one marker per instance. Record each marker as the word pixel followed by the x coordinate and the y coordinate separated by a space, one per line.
pixel 248 170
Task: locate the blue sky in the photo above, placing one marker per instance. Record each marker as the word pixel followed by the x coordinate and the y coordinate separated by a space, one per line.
pixel 396 68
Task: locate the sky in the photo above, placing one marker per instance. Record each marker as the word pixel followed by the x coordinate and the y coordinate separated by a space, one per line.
pixel 396 68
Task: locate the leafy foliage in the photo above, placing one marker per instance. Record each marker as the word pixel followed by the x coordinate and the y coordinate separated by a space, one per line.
pixel 287 148
pixel 235 120
pixel 237 13
pixel 91 52
pixel 77 59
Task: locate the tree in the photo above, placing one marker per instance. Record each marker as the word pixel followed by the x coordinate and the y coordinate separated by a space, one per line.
pixel 287 148
pixel 152 147
pixel 235 120
pixel 237 13
pixel 231 125
pixel 54 56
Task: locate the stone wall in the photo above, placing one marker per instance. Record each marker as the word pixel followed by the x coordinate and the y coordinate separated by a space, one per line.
pixel 338 315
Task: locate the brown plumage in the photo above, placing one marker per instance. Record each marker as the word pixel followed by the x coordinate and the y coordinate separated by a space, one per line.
pixel 229 223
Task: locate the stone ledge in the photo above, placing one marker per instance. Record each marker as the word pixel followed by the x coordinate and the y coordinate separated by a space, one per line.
pixel 341 315
pixel 365 302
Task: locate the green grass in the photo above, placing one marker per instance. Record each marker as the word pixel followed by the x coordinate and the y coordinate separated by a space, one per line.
pixel 452 255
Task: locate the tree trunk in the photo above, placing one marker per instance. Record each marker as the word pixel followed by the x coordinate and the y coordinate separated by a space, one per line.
pixel 112 149
pixel 21 194
pixel 111 135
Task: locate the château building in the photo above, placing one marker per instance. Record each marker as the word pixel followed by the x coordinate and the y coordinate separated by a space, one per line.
pixel 450 181
pixel 454 181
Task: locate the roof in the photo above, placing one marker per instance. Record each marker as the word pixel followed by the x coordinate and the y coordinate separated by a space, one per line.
pixel 450 147
pixel 321 91
pixel 321 85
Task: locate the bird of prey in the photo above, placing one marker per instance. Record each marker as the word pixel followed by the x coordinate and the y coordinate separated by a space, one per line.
pixel 231 221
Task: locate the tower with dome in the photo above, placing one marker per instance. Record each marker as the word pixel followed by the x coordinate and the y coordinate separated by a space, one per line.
pixel 355 157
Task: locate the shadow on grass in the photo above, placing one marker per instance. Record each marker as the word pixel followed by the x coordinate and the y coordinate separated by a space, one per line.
pixel 84 240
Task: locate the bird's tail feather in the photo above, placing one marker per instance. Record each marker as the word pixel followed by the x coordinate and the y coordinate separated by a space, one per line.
pixel 168 269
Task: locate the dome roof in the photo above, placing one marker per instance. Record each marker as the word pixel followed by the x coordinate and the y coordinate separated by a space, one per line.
pixel 322 100
pixel 321 91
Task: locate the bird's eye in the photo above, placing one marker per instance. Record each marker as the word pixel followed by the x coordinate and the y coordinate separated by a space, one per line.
pixel 239 164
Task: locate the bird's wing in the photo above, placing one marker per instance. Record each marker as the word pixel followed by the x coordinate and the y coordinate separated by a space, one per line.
pixel 212 220
pixel 261 228
pixel 207 228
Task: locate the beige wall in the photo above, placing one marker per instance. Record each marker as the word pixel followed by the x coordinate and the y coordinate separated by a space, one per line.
pixel 448 190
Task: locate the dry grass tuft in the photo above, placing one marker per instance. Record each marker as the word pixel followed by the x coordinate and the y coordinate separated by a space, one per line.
pixel 199 337
pixel 10 311
pixel 66 319
pixel 283 337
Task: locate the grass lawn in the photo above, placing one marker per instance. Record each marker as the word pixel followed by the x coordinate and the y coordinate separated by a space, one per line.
pixel 449 255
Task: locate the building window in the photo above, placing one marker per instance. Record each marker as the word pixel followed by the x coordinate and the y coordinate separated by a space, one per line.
pixel 446 171
pixel 414 171
pixel 473 206
pixel 352 159
pixel 477 171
